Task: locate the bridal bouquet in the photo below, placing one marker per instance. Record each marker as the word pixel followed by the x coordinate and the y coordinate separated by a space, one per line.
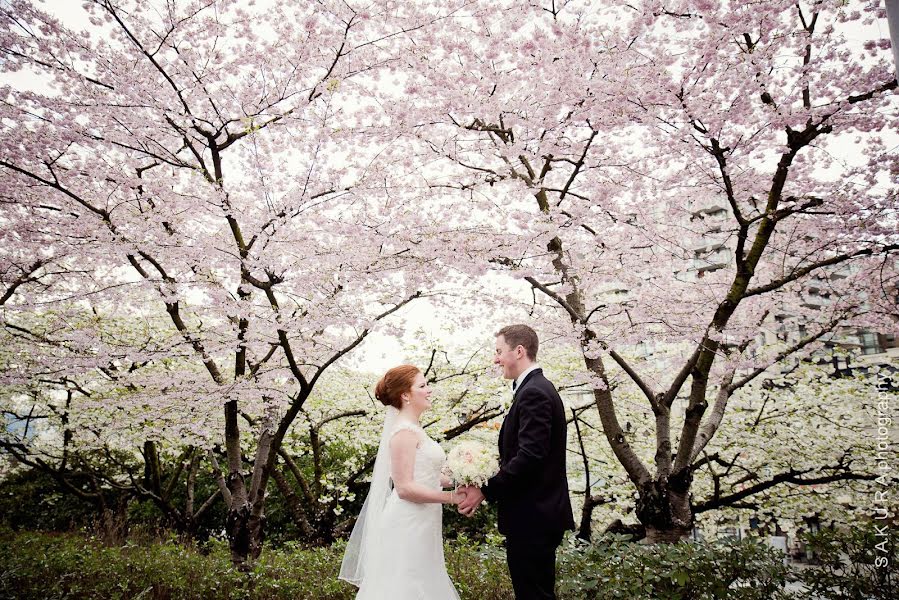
pixel 471 463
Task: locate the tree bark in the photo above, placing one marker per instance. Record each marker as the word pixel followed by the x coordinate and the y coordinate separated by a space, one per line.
pixel 665 509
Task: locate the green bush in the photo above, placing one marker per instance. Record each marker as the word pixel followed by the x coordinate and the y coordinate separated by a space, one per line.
pixel 50 567
pixel 478 569
pixel 854 564
pixel 30 499
pixel 42 566
pixel 479 527
pixel 613 567
pixel 71 566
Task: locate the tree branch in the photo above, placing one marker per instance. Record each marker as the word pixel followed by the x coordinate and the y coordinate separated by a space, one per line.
pixel 794 477
pixel 799 273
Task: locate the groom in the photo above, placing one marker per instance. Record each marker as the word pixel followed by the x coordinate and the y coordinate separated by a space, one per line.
pixel 531 488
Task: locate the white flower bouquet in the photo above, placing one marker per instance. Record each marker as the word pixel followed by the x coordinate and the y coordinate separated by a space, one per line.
pixel 471 463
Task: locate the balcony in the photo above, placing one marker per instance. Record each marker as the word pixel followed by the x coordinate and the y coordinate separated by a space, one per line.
pixel 815 300
pixel 715 207
pixel 717 256
pixel 614 293
pixel 816 285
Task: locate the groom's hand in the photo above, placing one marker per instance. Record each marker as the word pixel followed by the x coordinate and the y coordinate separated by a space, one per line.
pixel 473 499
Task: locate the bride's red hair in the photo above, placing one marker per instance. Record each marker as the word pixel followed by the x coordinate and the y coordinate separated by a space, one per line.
pixel 396 382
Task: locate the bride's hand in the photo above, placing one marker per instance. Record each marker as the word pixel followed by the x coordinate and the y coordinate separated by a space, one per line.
pixel 472 499
pixel 458 497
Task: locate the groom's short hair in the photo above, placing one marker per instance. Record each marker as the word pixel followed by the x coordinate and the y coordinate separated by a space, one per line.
pixel 521 335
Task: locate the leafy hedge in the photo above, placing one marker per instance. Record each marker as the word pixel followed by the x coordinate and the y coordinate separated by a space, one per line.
pixel 30 499
pixel 55 566
pixel 856 564
pixel 613 567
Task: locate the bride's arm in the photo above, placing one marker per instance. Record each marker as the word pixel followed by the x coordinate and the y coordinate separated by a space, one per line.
pixel 402 467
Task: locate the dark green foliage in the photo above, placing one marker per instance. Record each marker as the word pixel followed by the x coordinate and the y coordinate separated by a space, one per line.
pixel 30 499
pixel 49 567
pixel 478 570
pixel 847 565
pixel 477 527
pixel 613 567
pixel 44 566
pixel 41 566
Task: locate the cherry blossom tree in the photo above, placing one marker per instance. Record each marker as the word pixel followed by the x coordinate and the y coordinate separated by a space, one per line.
pixel 224 168
pixel 64 414
pixel 274 182
pixel 79 425
pixel 696 179
pixel 796 447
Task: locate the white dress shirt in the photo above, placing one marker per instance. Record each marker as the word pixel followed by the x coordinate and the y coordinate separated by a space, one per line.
pixel 523 374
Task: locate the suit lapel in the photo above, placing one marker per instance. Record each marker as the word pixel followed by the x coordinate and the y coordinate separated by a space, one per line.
pixel 502 430
pixel 524 383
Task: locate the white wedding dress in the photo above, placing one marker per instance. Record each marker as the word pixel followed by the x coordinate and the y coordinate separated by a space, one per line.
pixel 407 560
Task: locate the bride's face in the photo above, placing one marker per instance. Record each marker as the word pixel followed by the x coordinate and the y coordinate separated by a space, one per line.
pixel 420 394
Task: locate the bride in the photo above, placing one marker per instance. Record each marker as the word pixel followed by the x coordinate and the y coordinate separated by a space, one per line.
pixel 396 548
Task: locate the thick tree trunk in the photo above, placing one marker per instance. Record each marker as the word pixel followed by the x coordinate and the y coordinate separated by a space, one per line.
pixel 665 536
pixel 237 524
pixel 112 523
pixel 245 523
pixel 245 527
pixel 665 510
pixel 246 535
pixel 256 527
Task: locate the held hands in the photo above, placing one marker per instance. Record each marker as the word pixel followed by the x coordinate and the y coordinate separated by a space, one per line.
pixel 471 499
pixel 457 496
pixel 467 498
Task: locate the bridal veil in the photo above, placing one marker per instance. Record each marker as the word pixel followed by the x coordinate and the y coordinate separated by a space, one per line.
pixel 362 545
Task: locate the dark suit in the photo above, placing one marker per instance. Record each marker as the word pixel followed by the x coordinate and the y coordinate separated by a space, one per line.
pixel 531 488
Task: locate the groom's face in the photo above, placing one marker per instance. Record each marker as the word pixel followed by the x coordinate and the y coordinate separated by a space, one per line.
pixel 508 358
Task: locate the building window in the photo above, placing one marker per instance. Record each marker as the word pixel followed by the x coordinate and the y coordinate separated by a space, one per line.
pixel 869 342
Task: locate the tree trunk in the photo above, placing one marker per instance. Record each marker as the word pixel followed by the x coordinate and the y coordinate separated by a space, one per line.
pixel 294 504
pixel 665 536
pixel 245 523
pixel 112 523
pixel 246 535
pixel 585 529
pixel 238 535
pixel 665 510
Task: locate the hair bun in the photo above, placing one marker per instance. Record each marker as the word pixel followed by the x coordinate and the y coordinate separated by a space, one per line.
pixel 381 391
pixel 395 382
